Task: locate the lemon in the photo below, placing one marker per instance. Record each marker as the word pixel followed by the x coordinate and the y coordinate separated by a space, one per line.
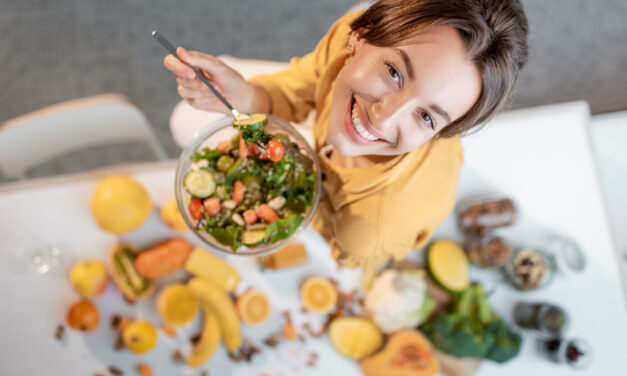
pixel 120 204
pixel 177 305
pixel 140 336
pixel 171 216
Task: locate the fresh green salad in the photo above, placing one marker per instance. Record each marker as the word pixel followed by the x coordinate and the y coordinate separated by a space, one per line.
pixel 251 190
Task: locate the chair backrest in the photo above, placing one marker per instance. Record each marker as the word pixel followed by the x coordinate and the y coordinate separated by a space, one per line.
pixel 31 139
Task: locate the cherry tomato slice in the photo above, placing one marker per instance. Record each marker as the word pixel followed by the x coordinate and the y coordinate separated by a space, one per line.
pixel 195 209
pixel 275 150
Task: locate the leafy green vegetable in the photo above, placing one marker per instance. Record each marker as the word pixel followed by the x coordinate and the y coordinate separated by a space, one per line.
pixel 472 329
pixel 228 236
pixel 253 133
pixel 211 155
pixel 282 229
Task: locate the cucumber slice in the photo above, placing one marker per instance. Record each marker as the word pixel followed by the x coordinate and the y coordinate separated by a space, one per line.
pixel 199 183
pixel 252 238
pixel 257 121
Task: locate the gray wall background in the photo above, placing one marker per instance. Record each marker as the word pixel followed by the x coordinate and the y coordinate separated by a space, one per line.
pixel 53 51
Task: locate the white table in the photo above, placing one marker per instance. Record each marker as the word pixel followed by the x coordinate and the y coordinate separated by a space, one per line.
pixel 540 157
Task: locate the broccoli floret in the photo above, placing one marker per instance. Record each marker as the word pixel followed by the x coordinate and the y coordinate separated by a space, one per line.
pixel 506 343
pixel 472 329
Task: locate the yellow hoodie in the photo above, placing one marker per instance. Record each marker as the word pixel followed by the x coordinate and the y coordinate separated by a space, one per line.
pixel 368 214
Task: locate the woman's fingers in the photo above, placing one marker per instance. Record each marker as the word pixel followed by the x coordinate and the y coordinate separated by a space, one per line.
pixel 178 68
pixel 208 63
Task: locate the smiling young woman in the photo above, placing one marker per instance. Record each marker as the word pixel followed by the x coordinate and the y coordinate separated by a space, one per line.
pixel 394 87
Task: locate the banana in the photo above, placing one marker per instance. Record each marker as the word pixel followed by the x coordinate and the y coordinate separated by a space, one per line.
pixel 201 263
pixel 209 293
pixel 209 338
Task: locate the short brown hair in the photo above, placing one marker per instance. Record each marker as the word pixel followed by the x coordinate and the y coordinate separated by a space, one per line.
pixel 494 33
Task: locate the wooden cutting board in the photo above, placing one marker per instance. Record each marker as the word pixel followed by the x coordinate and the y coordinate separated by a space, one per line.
pixel 450 365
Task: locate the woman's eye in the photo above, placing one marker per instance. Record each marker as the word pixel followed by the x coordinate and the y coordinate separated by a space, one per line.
pixel 427 118
pixel 394 73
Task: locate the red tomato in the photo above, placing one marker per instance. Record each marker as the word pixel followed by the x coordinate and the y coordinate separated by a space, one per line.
pixel 195 209
pixel 212 206
pixel 275 149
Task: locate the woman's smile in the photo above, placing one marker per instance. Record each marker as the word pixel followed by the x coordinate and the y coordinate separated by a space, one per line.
pixel 359 127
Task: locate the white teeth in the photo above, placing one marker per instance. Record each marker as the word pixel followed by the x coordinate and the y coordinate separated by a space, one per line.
pixel 359 127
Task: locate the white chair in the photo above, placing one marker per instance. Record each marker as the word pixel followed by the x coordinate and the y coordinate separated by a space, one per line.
pixel 31 139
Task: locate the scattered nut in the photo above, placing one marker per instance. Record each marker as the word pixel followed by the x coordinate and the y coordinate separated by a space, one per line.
pixel 277 202
pixel 238 219
pixel 144 369
pixel 229 204
pixel 177 357
pixel 59 333
pixel 115 371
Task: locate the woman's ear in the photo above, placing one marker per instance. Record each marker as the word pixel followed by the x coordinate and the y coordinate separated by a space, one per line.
pixel 355 40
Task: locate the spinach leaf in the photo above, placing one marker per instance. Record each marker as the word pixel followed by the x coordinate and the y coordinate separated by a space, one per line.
pixel 282 229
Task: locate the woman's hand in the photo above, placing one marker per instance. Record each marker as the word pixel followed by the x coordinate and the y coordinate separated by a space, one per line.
pixel 244 96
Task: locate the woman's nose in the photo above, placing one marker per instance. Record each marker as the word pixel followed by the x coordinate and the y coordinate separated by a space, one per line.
pixel 381 113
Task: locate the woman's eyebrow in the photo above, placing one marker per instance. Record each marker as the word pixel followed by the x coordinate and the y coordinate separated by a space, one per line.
pixel 440 111
pixel 405 58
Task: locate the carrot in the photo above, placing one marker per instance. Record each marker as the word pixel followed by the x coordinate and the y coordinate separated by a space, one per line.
pixel 224 146
pixel 243 151
pixel 267 214
pixel 238 192
pixel 250 216
pixel 163 259
pixel 212 206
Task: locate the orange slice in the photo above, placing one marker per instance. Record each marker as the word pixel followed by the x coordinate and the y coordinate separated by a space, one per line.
pixel 253 307
pixel 318 294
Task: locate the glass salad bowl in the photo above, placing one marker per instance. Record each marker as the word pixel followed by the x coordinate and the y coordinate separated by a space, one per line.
pixel 229 227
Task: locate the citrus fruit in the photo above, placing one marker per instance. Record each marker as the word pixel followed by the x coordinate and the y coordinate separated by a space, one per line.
pixel 171 216
pixel 88 278
pixel 120 204
pixel 83 315
pixel 177 305
pixel 318 294
pixel 253 307
pixel 354 337
pixel 140 336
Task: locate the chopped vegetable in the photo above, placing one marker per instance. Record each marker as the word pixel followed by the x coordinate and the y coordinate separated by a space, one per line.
pixel 212 206
pixel 275 150
pixel 238 191
pixel 267 214
pixel 250 216
pixel 195 208
pixel 200 183
pixel 472 329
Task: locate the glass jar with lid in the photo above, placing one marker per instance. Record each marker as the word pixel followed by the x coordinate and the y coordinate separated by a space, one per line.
pixel 483 213
pixel 487 251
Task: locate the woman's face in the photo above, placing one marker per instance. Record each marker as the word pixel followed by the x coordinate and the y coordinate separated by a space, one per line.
pixel 391 100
